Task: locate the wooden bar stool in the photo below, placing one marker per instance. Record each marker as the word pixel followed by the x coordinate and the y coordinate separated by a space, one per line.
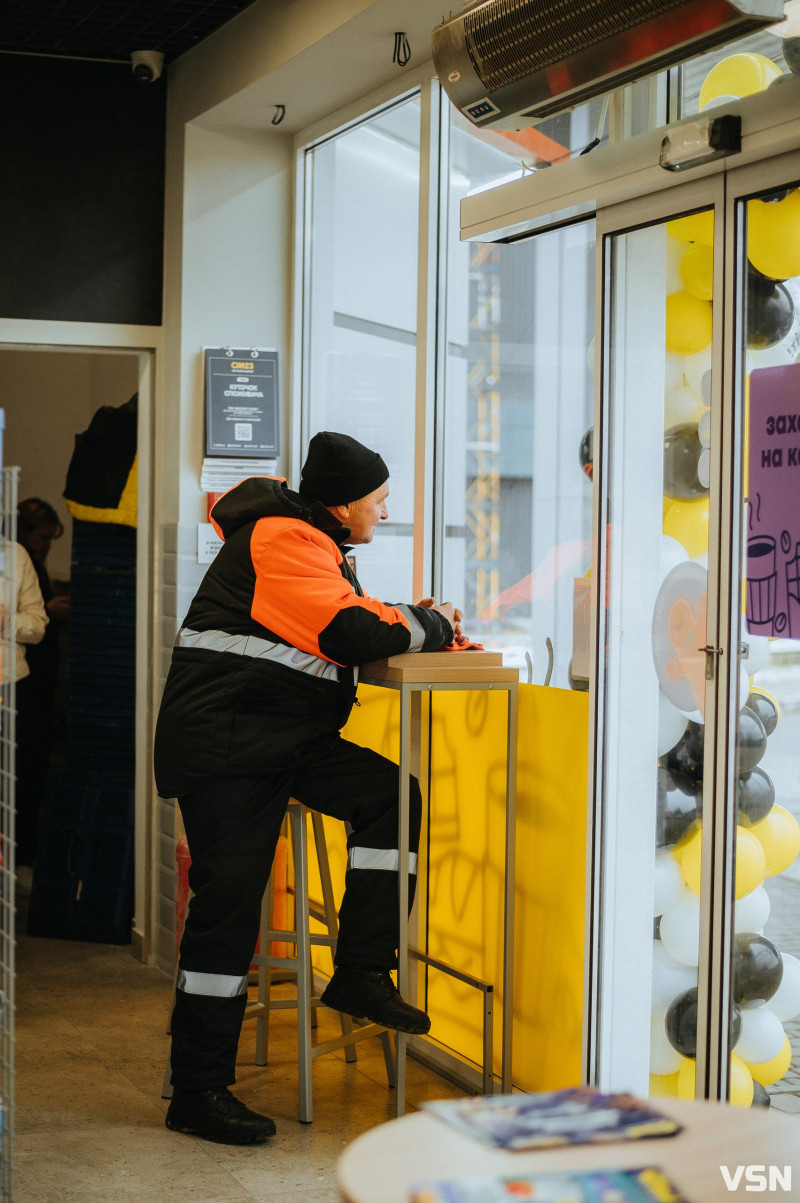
pixel 305 999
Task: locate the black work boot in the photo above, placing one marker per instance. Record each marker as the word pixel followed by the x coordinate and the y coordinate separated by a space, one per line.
pixel 371 994
pixel 218 1115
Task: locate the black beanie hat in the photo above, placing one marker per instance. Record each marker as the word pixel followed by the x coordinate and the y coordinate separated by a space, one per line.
pixel 339 469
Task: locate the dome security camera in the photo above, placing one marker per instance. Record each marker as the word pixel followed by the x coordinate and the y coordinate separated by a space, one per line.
pixel 147 65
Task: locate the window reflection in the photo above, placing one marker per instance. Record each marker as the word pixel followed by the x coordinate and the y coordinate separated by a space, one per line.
pixel 518 403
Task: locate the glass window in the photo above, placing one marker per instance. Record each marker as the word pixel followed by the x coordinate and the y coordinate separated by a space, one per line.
pixel 516 416
pixel 741 68
pixel 498 156
pixel 361 314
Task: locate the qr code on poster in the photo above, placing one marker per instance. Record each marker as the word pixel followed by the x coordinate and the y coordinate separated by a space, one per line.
pixel 243 432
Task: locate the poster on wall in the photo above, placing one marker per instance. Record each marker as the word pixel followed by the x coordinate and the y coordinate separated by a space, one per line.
pixel 772 596
pixel 241 387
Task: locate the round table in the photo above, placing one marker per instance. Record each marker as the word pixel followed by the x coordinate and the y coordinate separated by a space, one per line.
pixel 381 1165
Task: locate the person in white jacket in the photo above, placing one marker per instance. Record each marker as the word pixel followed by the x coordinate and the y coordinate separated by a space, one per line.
pixel 31 621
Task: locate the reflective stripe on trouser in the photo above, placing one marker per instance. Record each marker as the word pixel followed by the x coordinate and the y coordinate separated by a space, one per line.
pixel 232 826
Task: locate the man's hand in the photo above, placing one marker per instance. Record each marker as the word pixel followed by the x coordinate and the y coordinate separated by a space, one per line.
pixel 447 610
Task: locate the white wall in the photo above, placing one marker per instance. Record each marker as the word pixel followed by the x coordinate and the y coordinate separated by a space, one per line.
pixel 48 398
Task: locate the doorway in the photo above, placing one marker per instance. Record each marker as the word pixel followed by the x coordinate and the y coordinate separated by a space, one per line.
pixel 696 705
pixel 50 394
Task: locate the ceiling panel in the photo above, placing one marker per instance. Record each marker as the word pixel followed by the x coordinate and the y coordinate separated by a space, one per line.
pixel 112 29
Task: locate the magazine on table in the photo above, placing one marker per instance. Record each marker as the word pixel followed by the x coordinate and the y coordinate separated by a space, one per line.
pixel 648 1184
pixel 577 1116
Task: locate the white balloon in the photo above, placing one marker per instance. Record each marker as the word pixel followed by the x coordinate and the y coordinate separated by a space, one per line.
pixel 664 1059
pixel 680 929
pixel 673 369
pixel 744 683
pixel 704 429
pixel 775 356
pixel 667 883
pixel 729 98
pixel 752 911
pixel 761 1037
pixel 697 370
pixel 758 649
pixel 682 405
pixel 672 723
pixel 785 1002
pixel 670 978
pixel 672 554
pixel 704 467
pixel 676 249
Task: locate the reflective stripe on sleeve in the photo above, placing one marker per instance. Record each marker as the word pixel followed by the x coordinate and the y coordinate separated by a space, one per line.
pixel 214 985
pixel 415 627
pixel 379 858
pixel 258 649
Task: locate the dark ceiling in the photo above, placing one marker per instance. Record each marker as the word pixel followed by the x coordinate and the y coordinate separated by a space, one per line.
pixel 111 29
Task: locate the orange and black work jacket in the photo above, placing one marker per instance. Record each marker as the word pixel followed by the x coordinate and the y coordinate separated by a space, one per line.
pixel 264 661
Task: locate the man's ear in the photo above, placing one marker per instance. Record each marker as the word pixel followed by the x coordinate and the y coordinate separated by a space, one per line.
pixel 342 512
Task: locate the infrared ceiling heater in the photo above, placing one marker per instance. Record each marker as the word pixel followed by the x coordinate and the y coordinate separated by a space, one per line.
pixel 509 63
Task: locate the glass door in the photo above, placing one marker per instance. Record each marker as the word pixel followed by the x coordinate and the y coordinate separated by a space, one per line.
pixel 657 682
pixel 764 244
pixel 695 975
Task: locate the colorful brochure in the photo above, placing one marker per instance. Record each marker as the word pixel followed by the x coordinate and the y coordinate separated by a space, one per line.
pixel 561 1117
pixel 645 1185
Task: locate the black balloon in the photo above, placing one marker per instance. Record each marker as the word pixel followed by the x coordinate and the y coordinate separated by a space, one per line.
pixel 685 761
pixel 751 740
pixel 770 312
pixel 757 968
pixel 765 708
pixel 755 797
pixel 586 453
pixel 682 451
pixel 676 809
pixel 760 1096
pixel 680 1022
pixel 791 54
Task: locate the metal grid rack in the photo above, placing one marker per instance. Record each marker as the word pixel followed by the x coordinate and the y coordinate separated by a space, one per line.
pixel 8 623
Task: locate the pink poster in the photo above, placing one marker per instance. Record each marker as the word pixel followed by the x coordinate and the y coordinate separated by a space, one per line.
pixel 772 603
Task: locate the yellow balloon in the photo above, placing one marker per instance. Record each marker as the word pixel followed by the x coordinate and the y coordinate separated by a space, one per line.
pixel 750 862
pixel 697 271
pixel 779 836
pixel 664 1085
pixel 767 1072
pixel 738 75
pixel 740 1090
pixel 686 1076
pixel 697 227
pixel 741 1081
pixel 688 323
pixel 773 236
pixel 687 521
pixel 689 857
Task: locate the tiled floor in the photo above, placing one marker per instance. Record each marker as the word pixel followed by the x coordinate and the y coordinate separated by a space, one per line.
pixel 90 1055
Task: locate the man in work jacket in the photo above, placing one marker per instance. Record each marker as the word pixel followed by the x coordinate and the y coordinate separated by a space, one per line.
pixel 261 681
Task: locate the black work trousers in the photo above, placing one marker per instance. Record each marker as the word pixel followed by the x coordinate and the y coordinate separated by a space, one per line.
pixel 232 826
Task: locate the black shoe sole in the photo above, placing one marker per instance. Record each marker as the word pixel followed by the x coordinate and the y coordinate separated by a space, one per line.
pixel 406 1029
pixel 222 1139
